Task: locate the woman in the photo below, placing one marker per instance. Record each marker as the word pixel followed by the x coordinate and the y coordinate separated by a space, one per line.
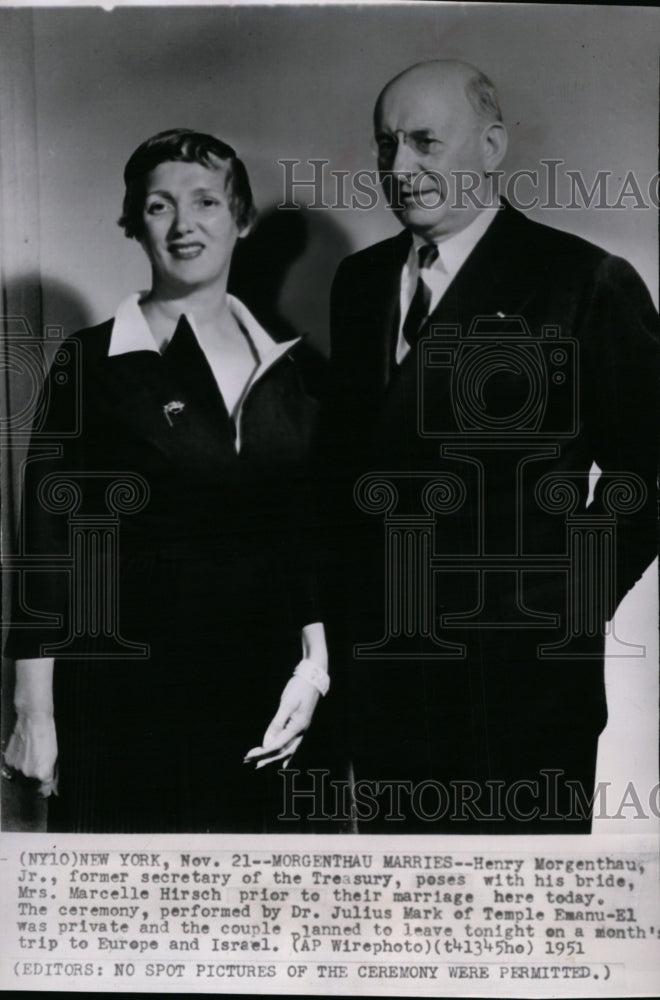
pixel 183 494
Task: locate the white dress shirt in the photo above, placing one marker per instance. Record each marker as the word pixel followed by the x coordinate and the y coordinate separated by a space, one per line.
pixel 452 254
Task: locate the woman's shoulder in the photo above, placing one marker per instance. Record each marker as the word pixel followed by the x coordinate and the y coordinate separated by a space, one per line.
pixel 90 345
pixel 97 342
pixel 97 335
pixel 78 353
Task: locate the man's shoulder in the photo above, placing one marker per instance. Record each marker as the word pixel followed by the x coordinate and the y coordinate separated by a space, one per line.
pixel 390 251
pixel 530 236
pixel 562 257
pixel 525 244
pixel 512 229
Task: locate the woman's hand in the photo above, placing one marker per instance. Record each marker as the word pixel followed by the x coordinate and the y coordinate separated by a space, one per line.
pixel 32 749
pixel 285 732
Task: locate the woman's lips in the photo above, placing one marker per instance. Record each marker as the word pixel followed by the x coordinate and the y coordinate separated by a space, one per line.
pixel 185 251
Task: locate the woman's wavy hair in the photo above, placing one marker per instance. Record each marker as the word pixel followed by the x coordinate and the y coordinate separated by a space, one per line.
pixel 187 146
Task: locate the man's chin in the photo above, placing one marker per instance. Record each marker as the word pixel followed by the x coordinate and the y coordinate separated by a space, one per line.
pixel 421 221
pixel 437 224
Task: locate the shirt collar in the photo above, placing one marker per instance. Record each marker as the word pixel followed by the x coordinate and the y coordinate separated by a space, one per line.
pixel 131 332
pixel 455 250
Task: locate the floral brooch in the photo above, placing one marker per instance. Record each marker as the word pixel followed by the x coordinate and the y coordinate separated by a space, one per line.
pixel 172 409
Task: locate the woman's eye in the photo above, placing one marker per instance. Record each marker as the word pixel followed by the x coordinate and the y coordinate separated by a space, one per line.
pixel 208 202
pixel 157 207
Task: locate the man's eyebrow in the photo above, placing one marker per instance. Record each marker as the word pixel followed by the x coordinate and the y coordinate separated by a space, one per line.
pixel 422 130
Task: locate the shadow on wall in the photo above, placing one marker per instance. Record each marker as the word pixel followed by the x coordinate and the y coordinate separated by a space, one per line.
pixel 283 271
pixel 64 307
pixel 60 305
pixel 24 298
pixel 62 313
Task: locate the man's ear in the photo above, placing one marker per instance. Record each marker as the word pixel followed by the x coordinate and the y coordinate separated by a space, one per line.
pixel 494 142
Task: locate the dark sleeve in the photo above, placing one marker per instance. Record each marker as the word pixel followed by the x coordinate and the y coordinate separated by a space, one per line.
pixel 299 548
pixel 339 417
pixel 332 453
pixel 620 382
pixel 40 576
pixel 299 542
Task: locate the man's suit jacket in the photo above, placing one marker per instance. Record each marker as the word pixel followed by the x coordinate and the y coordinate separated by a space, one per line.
pixel 594 373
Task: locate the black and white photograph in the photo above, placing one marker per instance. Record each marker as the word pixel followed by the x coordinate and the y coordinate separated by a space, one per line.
pixel 329 419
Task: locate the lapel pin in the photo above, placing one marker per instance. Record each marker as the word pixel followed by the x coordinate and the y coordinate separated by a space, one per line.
pixel 171 409
pixel 500 315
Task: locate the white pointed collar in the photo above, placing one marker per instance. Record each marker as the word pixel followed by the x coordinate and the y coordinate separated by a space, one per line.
pixel 131 332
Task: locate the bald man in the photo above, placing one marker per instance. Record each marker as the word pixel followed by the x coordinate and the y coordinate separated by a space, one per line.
pixel 481 363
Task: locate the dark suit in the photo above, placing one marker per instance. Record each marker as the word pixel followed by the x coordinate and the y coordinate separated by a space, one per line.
pixel 467 575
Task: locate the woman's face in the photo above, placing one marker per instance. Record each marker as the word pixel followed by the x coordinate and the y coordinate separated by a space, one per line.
pixel 189 233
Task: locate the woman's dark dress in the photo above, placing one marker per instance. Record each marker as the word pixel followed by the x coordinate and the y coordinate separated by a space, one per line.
pixel 211 579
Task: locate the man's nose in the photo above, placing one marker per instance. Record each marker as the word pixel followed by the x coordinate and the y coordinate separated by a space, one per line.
pixel 404 158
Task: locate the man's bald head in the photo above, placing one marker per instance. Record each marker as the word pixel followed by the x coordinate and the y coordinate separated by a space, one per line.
pixel 450 76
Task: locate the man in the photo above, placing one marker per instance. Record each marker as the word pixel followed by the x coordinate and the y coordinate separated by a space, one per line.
pixel 481 363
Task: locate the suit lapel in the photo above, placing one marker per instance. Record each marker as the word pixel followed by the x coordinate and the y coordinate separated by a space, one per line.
pixel 185 364
pixel 379 307
pixel 489 282
pixel 392 309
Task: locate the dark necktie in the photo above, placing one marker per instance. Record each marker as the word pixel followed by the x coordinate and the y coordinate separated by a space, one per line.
pixel 419 308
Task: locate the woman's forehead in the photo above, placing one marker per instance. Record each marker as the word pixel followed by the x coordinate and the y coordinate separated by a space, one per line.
pixel 185 174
